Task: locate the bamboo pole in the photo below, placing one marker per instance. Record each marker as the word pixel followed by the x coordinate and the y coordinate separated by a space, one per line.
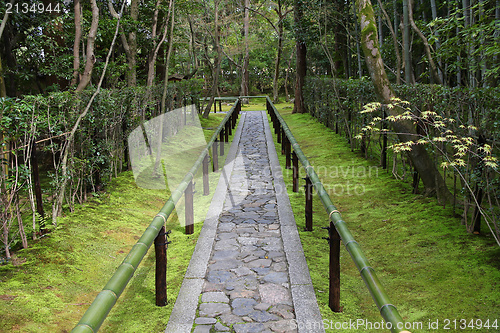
pixel 387 310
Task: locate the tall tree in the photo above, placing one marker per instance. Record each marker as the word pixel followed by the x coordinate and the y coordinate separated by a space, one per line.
pixel 130 44
pixel 89 62
pixel 76 44
pixel 433 68
pixel 301 64
pixel 430 175
pixel 245 77
pixel 217 60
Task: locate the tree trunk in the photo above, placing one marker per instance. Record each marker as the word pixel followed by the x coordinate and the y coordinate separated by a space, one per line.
pixel 406 43
pixel 217 60
pixel 89 64
pixel 301 64
pixel 432 179
pixel 427 48
pixel 395 42
pixel 76 45
pixel 130 44
pixel 438 43
pixel 358 49
pixel 153 52
pixel 164 96
pixel 246 57
pixel 132 37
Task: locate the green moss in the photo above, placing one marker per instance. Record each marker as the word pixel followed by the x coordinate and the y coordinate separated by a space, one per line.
pixel 430 267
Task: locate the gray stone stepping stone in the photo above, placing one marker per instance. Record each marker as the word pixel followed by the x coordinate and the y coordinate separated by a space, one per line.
pixel 208 287
pixel 262 306
pixel 260 263
pixel 242 271
pixel 221 328
pixel 261 270
pixel 274 294
pixel 224 265
pixel 262 316
pixel 202 329
pixel 226 227
pixel 248 240
pixel 219 276
pixel 224 254
pixel 285 311
pixel 214 297
pixel 205 321
pixel 214 309
pixel 249 328
pixel 243 293
pixel 230 319
pixel 227 235
pixel 243 306
pixel 276 277
pixel 283 326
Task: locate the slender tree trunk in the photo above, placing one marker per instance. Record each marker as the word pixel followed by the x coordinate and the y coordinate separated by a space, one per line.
pixel 358 47
pixel 164 96
pixel 132 37
pixel 406 42
pixel 438 43
pixel 89 64
pixel 301 66
pixel 246 56
pixel 215 83
pixel 427 48
pixel 76 45
pixel 432 179
pixel 395 42
pixel 153 53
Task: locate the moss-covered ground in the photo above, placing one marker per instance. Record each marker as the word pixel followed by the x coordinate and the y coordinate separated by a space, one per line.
pixel 431 268
pixel 49 286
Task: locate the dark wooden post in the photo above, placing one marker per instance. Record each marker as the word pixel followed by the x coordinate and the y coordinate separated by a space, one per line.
pixel 278 133
pixel 222 142
pixel 295 169
pixel 287 153
pixel 227 131
pixel 37 188
pixel 189 214
pixel 220 105
pixel 161 268
pixel 215 157
pixel 283 141
pixel 334 296
pixel 206 185
pixel 215 106
pixel 309 204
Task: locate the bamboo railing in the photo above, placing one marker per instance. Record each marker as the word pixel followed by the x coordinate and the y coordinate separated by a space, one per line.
pixel 106 299
pixel 284 136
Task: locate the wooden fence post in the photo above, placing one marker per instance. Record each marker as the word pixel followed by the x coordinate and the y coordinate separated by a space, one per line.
pixel 161 268
pixel 215 156
pixel 309 204
pixel 189 213
pixel 206 185
pixel 295 169
pixel 334 295
pixel 222 137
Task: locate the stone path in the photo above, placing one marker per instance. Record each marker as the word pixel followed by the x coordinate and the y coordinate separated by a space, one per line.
pixel 247 281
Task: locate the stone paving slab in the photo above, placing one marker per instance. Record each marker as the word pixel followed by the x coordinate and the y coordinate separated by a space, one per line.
pixel 249 267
